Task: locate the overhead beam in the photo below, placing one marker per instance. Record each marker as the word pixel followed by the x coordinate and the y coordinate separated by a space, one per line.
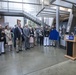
pixel 53 13
pixel 52 9
pixel 70 1
pixel 51 1
pixel 46 15
pixel 23 2
pixel 40 11
pixel 49 11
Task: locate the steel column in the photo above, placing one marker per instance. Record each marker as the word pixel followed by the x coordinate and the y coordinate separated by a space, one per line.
pixel 42 17
pixel 57 18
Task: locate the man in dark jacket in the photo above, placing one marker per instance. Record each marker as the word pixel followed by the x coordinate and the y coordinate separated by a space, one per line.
pixel 18 33
pixel 46 36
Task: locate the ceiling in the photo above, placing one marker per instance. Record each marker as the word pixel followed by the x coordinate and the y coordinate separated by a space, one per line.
pixel 35 6
pixel 65 5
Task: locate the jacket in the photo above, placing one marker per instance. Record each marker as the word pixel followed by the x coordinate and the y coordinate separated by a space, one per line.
pixel 46 33
pixel 54 35
pixel 2 35
pixel 17 33
pixel 31 33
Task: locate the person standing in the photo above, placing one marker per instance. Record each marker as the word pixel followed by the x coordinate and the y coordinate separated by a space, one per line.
pixel 31 38
pixel 18 33
pixel 15 26
pixel 8 37
pixel 41 36
pixel 37 32
pixel 2 40
pixel 35 37
pixel 54 37
pixel 46 36
pixel 26 33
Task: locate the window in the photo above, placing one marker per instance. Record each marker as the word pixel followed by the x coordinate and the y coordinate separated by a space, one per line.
pixel 15 6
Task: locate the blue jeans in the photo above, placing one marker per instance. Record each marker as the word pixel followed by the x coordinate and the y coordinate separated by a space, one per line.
pixel 1 47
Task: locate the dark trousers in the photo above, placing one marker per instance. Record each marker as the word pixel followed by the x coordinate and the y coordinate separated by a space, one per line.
pixel 18 44
pixel 41 40
pixel 27 44
pixel 38 40
pixel 14 42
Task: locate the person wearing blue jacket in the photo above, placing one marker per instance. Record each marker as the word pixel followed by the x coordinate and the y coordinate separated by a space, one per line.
pixel 54 36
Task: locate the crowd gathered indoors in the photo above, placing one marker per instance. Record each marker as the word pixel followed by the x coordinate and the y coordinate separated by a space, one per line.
pixel 24 38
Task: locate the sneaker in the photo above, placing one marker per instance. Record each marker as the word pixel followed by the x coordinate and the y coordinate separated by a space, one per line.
pixel 0 54
pixel 17 51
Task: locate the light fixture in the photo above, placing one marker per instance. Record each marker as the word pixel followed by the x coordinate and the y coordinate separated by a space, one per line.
pixel 42 0
pixel 69 10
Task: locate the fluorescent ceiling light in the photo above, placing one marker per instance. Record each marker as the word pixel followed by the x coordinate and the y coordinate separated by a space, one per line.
pixel 69 10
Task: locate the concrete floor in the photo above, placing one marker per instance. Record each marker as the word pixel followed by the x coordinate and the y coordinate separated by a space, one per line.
pixel 37 61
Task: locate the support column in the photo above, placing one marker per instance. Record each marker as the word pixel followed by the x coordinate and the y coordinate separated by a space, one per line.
pixel 42 17
pixel 57 22
pixel 57 18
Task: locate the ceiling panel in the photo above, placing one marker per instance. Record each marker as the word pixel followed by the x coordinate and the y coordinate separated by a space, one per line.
pixel 62 4
pixel 16 0
pixel 46 15
pixel 32 1
pixel 51 12
pixel 32 9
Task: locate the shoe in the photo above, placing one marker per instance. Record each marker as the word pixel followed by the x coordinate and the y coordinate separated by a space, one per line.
pixel 3 53
pixel 20 50
pixel 50 45
pixel 17 51
pixel 28 48
pixel 44 45
pixel 25 48
pixel 32 47
pixel 0 54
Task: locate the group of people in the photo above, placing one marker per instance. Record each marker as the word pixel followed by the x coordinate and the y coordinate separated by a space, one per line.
pixel 27 36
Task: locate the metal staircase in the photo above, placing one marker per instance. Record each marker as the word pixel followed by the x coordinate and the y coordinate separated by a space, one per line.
pixel 20 13
pixel 72 20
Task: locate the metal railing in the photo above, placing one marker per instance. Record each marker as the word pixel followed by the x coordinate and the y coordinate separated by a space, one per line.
pixel 5 7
